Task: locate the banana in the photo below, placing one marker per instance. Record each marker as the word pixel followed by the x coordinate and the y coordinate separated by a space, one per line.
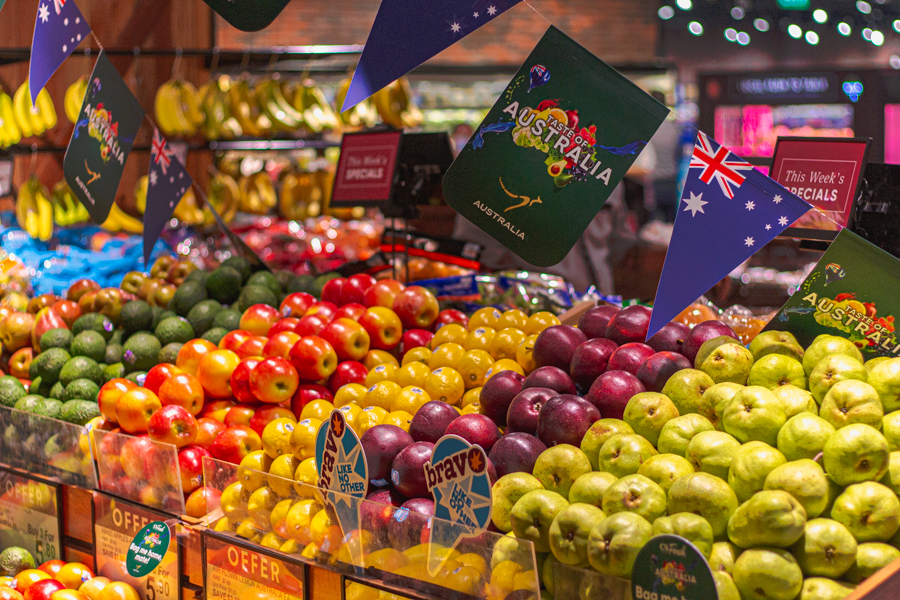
pixel 363 114
pixel 63 210
pixel 125 221
pixel 140 194
pixel 22 112
pixel 402 96
pixel 190 101
pixel 246 110
pixel 9 128
pixel 45 213
pixel 270 96
pixel 187 210
pixel 34 210
pixel 219 122
pixel 224 194
pixel 74 98
pixel 26 207
pixel 169 110
pixel 298 192
pixel 258 194
pixel 386 108
pixel 311 102
pixel 46 110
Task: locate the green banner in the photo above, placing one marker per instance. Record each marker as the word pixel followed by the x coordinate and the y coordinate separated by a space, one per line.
pixel 853 292
pixel 669 566
pixel 248 15
pixel 551 150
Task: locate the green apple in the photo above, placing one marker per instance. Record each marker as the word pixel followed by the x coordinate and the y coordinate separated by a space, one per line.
pixel 890 427
pixel 821 588
pixel 728 362
pixel 570 530
pixel 754 414
pixel 885 378
pixel 725 588
pixel 874 362
pixel 870 558
pixel 705 495
pixel 750 466
pixel 803 479
pixel 590 487
pixel 533 514
pixel 558 467
pixel 716 399
pixel 849 402
pixel 664 469
pixel 691 527
pixel 648 412
pixel 825 345
pixel 776 342
pixel 722 556
pixel 796 401
pixel 506 491
pixel 892 477
pixel 804 436
pixel 637 494
pixel 675 435
pixel 623 454
pixel 856 453
pixel 711 452
pixel 870 511
pixel 827 549
pixel 615 542
pixel 770 518
pixel 597 435
pixel 774 370
pixel 707 347
pixel 685 388
pixel 767 574
pixel 832 370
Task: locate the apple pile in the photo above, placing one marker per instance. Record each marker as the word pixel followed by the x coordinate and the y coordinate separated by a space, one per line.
pixel 56 580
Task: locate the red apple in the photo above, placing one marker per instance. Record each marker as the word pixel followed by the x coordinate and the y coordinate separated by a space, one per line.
pixel 629 325
pixel 354 290
pixel 239 415
pixel 306 393
pixel 383 293
pixel 142 461
pixel 15 330
pixel 556 345
pixel 202 501
pixel 190 464
pixel 314 358
pixel 157 375
pixel 182 389
pixel 233 340
pixel 20 362
pixel 80 288
pixel 259 318
pixel 331 291
pixel 274 380
pixel 311 325
pixel 207 430
pixel 348 338
pixel 383 326
pixel 217 410
pixel 294 305
pixel 323 309
pixel 68 310
pixel 134 409
pixel 52 567
pixel 595 320
pixel 46 319
pixel 281 343
pixel 415 338
pixel 285 324
pixel 253 347
pixel 240 380
pixel 349 371
pixel 236 442
pixel 629 357
pixel 174 425
pixel 416 307
pixel 451 315
pixel 192 353
pixel 266 415
pixel 350 311
pixel 42 590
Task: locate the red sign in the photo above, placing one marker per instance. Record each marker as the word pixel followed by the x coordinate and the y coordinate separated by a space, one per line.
pixel 825 173
pixel 365 171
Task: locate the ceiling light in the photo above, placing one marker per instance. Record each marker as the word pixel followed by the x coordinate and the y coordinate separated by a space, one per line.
pixel 731 35
pixel 684 4
pixel 761 24
pixel 666 12
pixel 863 7
pixel 794 31
pixel 877 38
pixel 812 37
pixel 743 38
pixel 695 28
pixel 820 16
pixel 737 12
pixel 844 29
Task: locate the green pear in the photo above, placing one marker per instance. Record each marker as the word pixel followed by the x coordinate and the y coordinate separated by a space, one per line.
pixel 598 433
pixel 722 556
pixel 776 342
pixel 891 478
pixel 856 453
pixel 874 362
pixel 615 542
pixel 685 388
pixel 675 435
pixel 533 514
pixel 825 345
pixel 623 454
pixel 548 571
pixel 885 378
pixel 796 401
pixel 767 574
pixel 834 490
pixel 870 558
pixel 728 362
pixel 647 413
pixel 691 527
pixel 775 370
pixel 826 549
pixel 750 466
pixel 716 399
pixel 570 530
pixel 705 495
pixel 849 402
pixel 664 469
pixel 707 347
pixel 772 518
pixel 725 588
pixel 820 588
pixel 711 452
pixel 590 487
pixel 804 436
pixel 558 467
pixel 637 494
pixel 833 369
pixel 754 414
pixel 511 548
pixel 506 491
pixel 890 427
pixel 870 511
pixel 803 479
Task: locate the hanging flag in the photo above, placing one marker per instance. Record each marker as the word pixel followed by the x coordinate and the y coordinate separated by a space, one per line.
pixel 406 33
pixel 58 29
pixel 102 139
pixel 168 182
pixel 728 211
pixel 248 15
pixel 552 149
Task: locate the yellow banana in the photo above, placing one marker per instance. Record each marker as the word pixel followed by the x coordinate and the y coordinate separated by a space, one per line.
pixel 187 210
pixel 218 123
pixel 45 214
pixel 224 194
pixel 140 194
pixel 74 98
pixel 271 99
pixel 22 112
pixel 25 205
pixel 9 129
pixel 246 111
pixel 258 194
pixel 191 103
pixel 363 114
pixel 125 221
pixel 298 192
pixel 169 112
pixel 45 110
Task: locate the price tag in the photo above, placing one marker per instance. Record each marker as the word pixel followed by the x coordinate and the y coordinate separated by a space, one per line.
pixel 6 172
pixel 235 571
pixel 29 515
pixel 116 523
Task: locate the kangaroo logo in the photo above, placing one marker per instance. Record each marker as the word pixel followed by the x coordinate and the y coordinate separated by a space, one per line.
pixel 526 201
pixel 94 176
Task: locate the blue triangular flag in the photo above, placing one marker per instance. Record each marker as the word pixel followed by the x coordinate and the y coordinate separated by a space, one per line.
pixel 728 211
pixel 406 33
pixel 168 182
pixel 58 29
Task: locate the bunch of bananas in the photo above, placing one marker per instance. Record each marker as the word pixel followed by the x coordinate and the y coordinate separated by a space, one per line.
pixel 271 95
pixel 242 101
pixel 395 106
pixel 74 98
pixel 34 209
pixel 177 108
pixel 119 220
pixel 257 194
pixel 218 120
pixel 363 114
pixel 9 129
pixel 310 101
pixel 188 211
pixel 67 208
pixel 300 196
pixel 33 120
pixel 225 195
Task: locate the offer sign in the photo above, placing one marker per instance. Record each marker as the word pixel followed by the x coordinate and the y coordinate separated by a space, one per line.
pixel 235 571
pixel 365 171
pixel 825 172
pixel 29 515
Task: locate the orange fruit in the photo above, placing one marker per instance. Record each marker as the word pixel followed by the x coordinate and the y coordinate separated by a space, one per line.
pixel 484 317
pixel 473 365
pixel 382 394
pixel 373 358
pixel 91 588
pixel 26 578
pixel 413 373
pixel 384 372
pixel 352 393
pixel 452 332
pixel 73 575
pixel 505 343
pixel 512 318
pixel 118 590
pixel 445 384
pixel 540 321
pixel 420 354
pixel 214 372
pixel 410 399
pixel 446 355
pixel 525 354
pixel 479 339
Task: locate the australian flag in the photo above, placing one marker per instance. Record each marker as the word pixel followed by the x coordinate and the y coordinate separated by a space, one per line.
pixel 58 29
pixel 728 211
pixel 168 183
pixel 406 33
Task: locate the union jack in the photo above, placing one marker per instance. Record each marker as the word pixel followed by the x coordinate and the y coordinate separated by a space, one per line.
pixel 716 165
pixel 161 153
pixel 58 5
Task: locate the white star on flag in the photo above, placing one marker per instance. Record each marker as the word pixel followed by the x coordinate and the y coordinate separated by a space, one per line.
pixel 153 177
pixel 475 15
pixel 783 221
pixel 66 21
pixel 768 227
pixel 78 37
pixel 44 13
pixel 694 204
pixel 65 48
pixel 455 28
pixel 172 179
pixel 181 175
pixel 77 20
pixel 750 205
pixel 492 10
pixel 777 199
pixel 749 241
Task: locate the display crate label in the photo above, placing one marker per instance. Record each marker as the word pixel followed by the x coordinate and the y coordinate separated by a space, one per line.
pixel 670 567
pixel 116 523
pixel 235 571
pixel 29 515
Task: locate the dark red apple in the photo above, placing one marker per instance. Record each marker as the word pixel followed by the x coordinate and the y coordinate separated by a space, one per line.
pixel 306 393
pixel 376 512
pixel 550 377
pixel 589 361
pixel 565 419
pixel 525 408
pixel 349 371
pixel 629 325
pixel 702 332
pixel 594 322
pixel 657 369
pixel 555 346
pixel 629 357
pixel 382 443
pixel 410 523
pixel 408 472
pixel 431 420
pixel 414 338
pixel 670 338
pixel 516 452
pixel 612 391
pixel 476 429
pixel 498 393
